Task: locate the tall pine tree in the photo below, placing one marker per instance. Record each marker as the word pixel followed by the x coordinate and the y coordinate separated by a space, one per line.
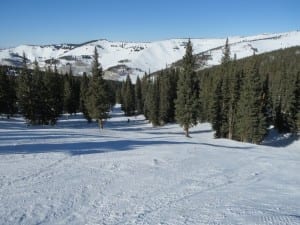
pixel 186 103
pixel 98 103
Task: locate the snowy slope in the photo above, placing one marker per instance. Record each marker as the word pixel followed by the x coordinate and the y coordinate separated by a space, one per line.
pixel 131 173
pixel 123 58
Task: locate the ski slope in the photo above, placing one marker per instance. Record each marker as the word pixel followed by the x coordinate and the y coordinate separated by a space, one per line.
pixel 132 173
pixel 122 58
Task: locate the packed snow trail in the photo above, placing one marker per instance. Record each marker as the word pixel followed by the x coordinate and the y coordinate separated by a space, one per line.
pixel 131 173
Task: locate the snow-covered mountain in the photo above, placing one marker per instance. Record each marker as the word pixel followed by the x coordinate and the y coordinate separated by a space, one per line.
pixel 122 58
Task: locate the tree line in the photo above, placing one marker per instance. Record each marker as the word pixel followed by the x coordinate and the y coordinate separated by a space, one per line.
pixel 240 98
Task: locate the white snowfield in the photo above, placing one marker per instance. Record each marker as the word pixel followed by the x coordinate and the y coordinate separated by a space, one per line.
pixel 139 58
pixel 132 173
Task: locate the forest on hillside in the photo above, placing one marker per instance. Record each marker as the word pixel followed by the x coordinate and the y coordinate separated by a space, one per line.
pixel 240 98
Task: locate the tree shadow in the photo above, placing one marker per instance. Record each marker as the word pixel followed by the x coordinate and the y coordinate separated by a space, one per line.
pixel 228 147
pixel 82 148
pixel 278 140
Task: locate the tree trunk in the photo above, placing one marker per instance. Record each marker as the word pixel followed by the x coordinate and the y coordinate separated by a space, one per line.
pixel 186 131
pixel 100 123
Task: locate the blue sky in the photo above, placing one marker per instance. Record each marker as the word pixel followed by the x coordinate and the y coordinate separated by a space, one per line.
pixel 75 21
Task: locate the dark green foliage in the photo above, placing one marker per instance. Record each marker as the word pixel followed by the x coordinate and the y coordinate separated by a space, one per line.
pixel 145 91
pixel 71 93
pixel 26 93
pixel 297 94
pixel 216 112
pixel 40 95
pixel 7 94
pixel 128 95
pixel 251 121
pixel 186 104
pixel 226 53
pixel 152 102
pixel 98 104
pixel 84 86
pixel 139 106
pixel 51 95
pixel 234 96
pixel 262 90
pixel 167 94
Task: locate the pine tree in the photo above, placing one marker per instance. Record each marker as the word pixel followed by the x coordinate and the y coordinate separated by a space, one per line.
pixel 225 103
pixel 297 94
pixel 226 53
pixel 235 88
pixel 7 94
pixel 152 102
pixel 145 91
pixel 251 121
pixel 292 104
pixel 138 96
pixel 26 93
pixel 167 95
pixel 186 103
pixel 128 97
pixel 84 97
pixel 71 93
pixel 98 104
pixel 217 110
pixel 40 97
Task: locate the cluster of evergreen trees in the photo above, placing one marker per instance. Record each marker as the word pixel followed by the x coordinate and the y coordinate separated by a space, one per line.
pixel 152 96
pixel 241 98
pixel 251 94
pixel 42 96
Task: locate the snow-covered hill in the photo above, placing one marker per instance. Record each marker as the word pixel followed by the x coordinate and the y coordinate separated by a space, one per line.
pixel 122 58
pixel 132 173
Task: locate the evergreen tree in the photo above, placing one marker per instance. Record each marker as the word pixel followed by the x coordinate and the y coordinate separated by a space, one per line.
pixel 251 121
pixel 128 98
pixel 167 95
pixel 7 94
pixel 138 96
pixel 84 97
pixel 292 104
pixel 71 93
pixel 186 103
pixel 226 53
pixel 145 92
pixel 40 97
pixel 217 110
pixel 235 88
pixel 26 93
pixel 225 103
pixel 152 102
pixel 98 104
pixel 297 94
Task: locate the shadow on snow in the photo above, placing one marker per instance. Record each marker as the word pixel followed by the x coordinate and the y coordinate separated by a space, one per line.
pixel 81 148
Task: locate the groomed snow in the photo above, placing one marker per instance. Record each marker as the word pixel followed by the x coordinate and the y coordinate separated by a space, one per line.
pixel 131 173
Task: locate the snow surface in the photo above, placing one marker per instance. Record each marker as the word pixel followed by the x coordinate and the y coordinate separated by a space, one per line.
pixel 132 173
pixel 145 57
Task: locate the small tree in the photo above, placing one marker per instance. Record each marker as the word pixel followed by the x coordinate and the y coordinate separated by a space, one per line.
pixel 226 53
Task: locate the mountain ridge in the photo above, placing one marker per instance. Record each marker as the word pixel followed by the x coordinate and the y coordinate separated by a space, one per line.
pixel 136 58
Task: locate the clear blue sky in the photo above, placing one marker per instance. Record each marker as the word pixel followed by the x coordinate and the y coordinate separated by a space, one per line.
pixel 75 21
